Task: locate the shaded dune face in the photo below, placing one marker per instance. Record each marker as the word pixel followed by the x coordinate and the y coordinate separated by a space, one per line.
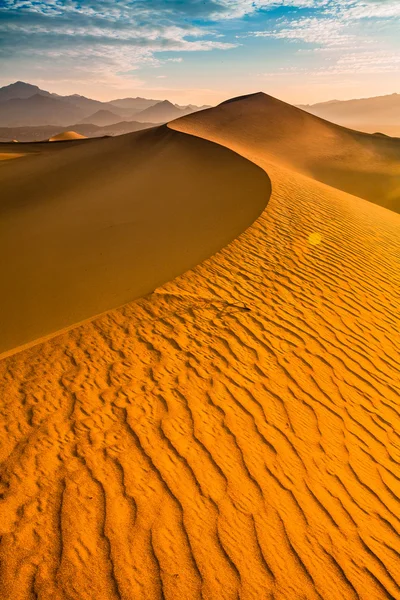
pixel 93 226
pixel 232 435
pixel 358 163
pixel 42 147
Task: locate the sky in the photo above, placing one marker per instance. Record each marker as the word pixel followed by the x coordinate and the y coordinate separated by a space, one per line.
pixel 203 51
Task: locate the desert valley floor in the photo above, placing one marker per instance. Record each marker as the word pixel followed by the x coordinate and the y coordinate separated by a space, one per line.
pixel 235 434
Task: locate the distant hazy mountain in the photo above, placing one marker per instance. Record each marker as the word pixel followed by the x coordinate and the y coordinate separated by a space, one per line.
pixel 162 112
pixel 37 110
pixel 102 117
pixel 86 104
pixel 21 90
pixel 23 104
pixel 381 112
pixel 192 107
pixel 137 104
pixel 44 132
pixel 123 127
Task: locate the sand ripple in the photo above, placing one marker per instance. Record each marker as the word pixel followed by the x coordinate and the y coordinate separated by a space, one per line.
pixel 233 435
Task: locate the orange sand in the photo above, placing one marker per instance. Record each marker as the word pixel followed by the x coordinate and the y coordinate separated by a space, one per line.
pixel 93 226
pixel 67 135
pixel 9 155
pixel 234 434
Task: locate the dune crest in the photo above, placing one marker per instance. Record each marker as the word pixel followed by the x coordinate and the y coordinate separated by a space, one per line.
pixel 232 435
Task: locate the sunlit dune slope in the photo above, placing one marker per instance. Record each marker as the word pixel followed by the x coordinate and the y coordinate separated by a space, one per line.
pixel 66 135
pixel 361 164
pixel 101 223
pixel 233 435
pixel 10 155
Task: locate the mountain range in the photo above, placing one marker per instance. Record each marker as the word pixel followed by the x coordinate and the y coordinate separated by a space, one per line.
pixel 378 114
pixel 24 104
pixel 28 113
pixel 42 133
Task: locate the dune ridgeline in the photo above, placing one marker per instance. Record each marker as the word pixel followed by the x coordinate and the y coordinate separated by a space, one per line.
pixel 235 433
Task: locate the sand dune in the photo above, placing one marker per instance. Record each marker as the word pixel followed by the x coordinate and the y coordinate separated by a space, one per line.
pixel 95 225
pixel 66 135
pixel 10 155
pixel 232 435
pixel 358 163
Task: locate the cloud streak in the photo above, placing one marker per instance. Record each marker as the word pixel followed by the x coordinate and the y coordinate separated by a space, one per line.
pixel 107 41
pixel 347 32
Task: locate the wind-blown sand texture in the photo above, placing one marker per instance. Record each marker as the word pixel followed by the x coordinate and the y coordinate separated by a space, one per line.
pixel 234 434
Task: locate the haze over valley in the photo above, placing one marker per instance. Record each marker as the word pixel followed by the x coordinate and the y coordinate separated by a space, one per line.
pixel 28 113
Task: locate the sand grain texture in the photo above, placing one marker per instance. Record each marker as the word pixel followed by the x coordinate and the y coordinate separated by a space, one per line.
pixel 233 435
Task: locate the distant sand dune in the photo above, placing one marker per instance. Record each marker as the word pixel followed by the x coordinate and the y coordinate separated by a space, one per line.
pixel 233 435
pixel 66 135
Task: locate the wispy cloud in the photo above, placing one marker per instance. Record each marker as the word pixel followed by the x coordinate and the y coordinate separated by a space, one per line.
pixel 102 37
pixel 311 30
pixel 346 31
pixel 114 42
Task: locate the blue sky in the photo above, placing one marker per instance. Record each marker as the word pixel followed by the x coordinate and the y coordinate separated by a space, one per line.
pixel 203 51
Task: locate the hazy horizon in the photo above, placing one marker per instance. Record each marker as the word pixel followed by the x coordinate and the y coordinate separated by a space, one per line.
pixel 301 51
pixel 72 91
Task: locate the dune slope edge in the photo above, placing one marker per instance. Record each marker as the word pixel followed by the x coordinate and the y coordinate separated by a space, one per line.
pixel 98 224
pixel 233 435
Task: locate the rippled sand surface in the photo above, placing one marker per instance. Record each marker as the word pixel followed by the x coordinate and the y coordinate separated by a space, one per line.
pixel 233 435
